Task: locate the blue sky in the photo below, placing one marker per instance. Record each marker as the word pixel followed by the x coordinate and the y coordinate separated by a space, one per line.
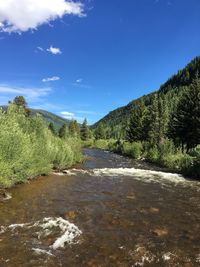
pixel 84 60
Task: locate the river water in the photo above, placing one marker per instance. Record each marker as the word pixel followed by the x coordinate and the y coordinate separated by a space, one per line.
pixel 110 211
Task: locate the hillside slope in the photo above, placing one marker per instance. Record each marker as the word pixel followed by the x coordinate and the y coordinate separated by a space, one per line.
pixel 48 117
pixel 117 120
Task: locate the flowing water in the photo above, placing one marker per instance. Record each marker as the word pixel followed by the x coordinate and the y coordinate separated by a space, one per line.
pixel 109 212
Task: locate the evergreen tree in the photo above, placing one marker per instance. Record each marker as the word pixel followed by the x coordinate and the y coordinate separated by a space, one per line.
pixel 20 101
pixel 156 121
pixel 74 129
pixel 185 123
pixel 100 132
pixel 135 131
pixel 52 128
pixel 63 131
pixel 85 132
pixel 77 129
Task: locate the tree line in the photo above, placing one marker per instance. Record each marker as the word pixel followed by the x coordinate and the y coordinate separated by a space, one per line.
pixel 163 128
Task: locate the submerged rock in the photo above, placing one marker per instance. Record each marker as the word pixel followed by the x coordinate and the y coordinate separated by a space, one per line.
pixel 4 195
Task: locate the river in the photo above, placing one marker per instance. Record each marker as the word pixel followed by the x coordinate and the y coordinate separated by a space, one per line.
pixel 110 211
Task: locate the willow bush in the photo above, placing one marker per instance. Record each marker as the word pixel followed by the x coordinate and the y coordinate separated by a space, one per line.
pixel 28 148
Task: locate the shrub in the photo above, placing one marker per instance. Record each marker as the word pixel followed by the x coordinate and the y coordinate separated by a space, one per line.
pixel 152 153
pixel 133 150
pixel 28 148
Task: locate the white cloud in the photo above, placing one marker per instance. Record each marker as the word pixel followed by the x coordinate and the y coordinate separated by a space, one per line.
pixel 23 15
pixel 79 80
pixel 54 50
pixel 29 93
pixel 67 115
pixel 40 48
pixel 51 79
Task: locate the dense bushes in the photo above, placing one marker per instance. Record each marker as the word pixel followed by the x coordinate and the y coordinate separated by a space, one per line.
pixel 165 154
pixel 28 148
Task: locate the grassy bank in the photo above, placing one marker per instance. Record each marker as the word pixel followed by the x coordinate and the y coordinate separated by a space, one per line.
pixel 28 148
pixel 164 155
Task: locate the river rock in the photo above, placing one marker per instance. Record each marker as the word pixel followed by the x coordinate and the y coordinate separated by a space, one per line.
pixel 161 232
pixel 70 215
pixel 4 195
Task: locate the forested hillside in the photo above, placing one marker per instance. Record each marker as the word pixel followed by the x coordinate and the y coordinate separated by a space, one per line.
pixel 116 121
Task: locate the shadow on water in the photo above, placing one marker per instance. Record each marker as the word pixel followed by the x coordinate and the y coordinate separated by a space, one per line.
pixel 106 213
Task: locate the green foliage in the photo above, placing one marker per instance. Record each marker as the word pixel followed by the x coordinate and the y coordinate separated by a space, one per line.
pixel 20 101
pixel 135 131
pixel 28 148
pixel 74 129
pixel 52 128
pixel 99 132
pixel 156 120
pixel 185 122
pixel 85 131
pixel 134 150
pixel 152 154
pixel 63 132
pixel 101 144
pixel 116 122
pixel 50 117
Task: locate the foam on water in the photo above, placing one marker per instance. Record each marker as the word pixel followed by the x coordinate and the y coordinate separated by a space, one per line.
pixel 147 176
pixel 66 232
pixel 39 251
pixel 8 196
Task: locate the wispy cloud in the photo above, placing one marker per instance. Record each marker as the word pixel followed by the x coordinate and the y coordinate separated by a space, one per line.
pixel 67 115
pixel 79 80
pixel 71 116
pixel 51 79
pixel 47 106
pixel 40 49
pixel 9 92
pixel 79 83
pixel 23 15
pixel 54 50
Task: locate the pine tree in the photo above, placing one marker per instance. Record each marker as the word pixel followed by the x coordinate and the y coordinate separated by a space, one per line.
pixel 99 132
pixel 135 131
pixel 20 101
pixel 156 121
pixel 85 132
pixel 63 131
pixel 77 129
pixel 185 123
pixel 52 128
pixel 74 129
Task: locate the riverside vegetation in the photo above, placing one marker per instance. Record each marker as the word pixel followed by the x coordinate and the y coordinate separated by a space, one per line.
pixel 162 127
pixel 29 148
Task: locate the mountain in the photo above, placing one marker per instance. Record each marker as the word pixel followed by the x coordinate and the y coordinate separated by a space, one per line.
pixel 48 117
pixel 116 121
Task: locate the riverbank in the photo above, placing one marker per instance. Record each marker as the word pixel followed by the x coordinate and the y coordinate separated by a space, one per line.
pixel 164 156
